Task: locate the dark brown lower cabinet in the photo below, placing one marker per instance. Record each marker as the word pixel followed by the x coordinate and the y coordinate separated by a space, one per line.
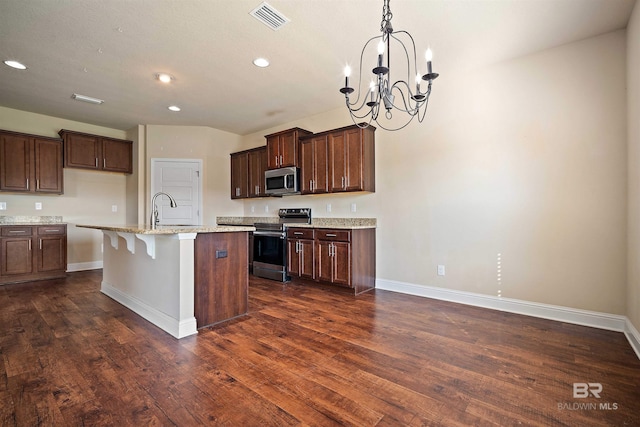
pixel 341 257
pixel 221 277
pixel 32 252
pixel 300 253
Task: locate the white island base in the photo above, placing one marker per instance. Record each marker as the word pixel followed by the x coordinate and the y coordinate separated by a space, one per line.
pixel 159 289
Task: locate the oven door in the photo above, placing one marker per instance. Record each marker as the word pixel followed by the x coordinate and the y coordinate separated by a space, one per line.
pixel 270 255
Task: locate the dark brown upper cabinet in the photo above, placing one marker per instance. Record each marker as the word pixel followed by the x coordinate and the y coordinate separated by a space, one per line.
pixel 30 163
pixel 87 151
pixel 282 148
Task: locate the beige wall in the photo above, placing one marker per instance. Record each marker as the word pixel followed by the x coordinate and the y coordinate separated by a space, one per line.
pixel 213 147
pixel 88 195
pixel 526 159
pixel 633 115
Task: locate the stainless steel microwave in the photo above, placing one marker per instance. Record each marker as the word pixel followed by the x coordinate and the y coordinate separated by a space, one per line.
pixel 283 181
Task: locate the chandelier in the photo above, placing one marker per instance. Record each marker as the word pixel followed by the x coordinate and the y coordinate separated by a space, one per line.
pixel 382 93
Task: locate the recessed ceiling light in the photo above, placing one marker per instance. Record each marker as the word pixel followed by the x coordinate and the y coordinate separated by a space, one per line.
pixel 164 77
pixel 15 64
pixel 173 108
pixel 261 62
pixel 88 99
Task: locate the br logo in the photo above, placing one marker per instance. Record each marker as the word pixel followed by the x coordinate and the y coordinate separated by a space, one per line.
pixel 584 390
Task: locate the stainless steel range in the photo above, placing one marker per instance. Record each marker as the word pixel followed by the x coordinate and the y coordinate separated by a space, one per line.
pixel 270 243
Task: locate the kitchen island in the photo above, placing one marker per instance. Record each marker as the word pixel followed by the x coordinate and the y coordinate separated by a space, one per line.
pixel 179 278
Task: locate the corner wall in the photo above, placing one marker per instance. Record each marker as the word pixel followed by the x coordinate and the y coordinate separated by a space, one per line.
pixel 633 123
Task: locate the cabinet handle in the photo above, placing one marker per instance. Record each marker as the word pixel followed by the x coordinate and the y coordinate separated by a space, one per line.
pixel 17 231
pixel 96 163
pixel 51 230
pixel 27 183
pixel 277 160
pixel 29 244
pixel 310 185
pixel 104 163
pixel 40 244
pixel 343 182
pixel 331 235
pixel 298 232
pixel 257 189
pixel 280 160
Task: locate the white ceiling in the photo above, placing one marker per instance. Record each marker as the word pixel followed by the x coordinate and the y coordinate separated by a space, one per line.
pixel 111 49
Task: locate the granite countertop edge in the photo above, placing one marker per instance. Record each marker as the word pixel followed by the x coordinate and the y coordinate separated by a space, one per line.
pixel 169 229
pixel 338 223
pixel 31 220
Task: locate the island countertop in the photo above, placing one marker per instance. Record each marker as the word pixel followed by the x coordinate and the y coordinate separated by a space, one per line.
pixel 169 229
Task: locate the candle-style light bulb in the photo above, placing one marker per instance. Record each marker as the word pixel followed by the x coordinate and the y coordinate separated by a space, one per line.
pixel 418 78
pixel 380 52
pixel 429 56
pixel 347 73
pixel 372 89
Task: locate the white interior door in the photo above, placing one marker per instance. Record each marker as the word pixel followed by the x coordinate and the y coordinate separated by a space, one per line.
pixel 181 179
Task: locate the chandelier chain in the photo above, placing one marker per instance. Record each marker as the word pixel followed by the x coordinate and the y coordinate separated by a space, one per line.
pixel 385 25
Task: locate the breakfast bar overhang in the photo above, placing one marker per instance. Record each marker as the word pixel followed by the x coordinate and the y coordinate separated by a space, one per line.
pixel 151 270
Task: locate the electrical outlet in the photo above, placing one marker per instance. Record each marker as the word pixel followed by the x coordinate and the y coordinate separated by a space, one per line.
pixel 114 208
pixel 266 208
pixel 3 206
pixel 440 270
pixel 353 207
pixel 328 207
pixel 38 206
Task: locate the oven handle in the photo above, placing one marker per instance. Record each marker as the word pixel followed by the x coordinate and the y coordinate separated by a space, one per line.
pixel 270 234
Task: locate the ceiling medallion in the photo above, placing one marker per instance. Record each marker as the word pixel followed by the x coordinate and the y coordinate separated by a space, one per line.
pixel 381 92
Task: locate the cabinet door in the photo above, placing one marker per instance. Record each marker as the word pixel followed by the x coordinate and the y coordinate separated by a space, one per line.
pixel 15 154
pixel 289 149
pixel 257 166
pixel 341 272
pixel 17 256
pixel 353 160
pixel 81 151
pixel 306 259
pixel 314 164
pixel 117 155
pixel 338 150
pixel 52 253
pixel 273 152
pixel 48 166
pixel 239 175
pixel 324 265
pixel 293 258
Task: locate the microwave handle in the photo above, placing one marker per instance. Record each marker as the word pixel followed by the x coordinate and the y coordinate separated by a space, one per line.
pixel 286 182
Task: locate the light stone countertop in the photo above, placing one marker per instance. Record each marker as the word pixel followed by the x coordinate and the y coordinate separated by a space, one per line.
pixel 340 223
pixel 30 220
pixel 169 229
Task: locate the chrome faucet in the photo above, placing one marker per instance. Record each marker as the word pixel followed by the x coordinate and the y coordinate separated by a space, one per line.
pixel 154 209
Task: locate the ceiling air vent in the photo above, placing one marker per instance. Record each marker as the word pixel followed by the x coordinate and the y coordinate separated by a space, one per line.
pixel 270 17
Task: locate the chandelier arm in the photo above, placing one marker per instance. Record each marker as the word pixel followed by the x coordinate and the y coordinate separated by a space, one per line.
pixel 406 52
pixel 426 104
pixel 360 74
pixel 407 108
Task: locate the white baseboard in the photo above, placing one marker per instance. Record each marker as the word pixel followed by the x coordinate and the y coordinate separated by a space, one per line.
pixel 633 336
pixel 178 329
pixel 82 266
pixel 594 319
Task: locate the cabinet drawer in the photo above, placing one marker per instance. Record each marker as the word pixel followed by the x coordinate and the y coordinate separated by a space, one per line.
pixel 300 233
pixel 45 230
pixel 17 231
pixel 338 235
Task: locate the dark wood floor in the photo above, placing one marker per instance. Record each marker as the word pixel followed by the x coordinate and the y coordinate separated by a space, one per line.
pixel 303 356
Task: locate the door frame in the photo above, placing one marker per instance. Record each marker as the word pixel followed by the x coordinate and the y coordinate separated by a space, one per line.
pixel 152 191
